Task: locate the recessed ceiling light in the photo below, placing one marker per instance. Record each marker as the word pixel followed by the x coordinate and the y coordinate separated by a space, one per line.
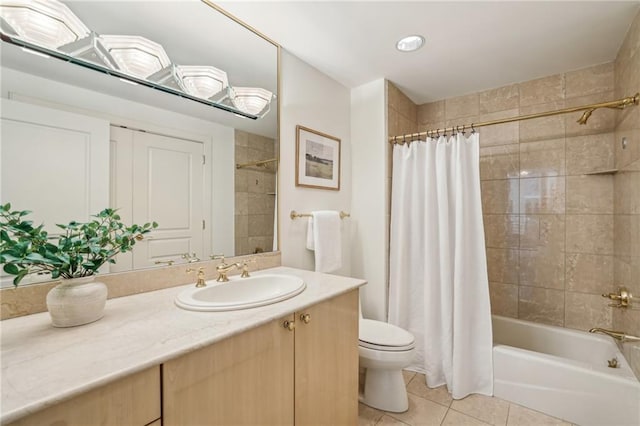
pixel 410 43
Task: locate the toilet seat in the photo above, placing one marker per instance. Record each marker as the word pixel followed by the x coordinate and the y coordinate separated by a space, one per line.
pixel 381 336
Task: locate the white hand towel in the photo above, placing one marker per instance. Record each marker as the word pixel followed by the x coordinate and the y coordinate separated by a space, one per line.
pixel 325 238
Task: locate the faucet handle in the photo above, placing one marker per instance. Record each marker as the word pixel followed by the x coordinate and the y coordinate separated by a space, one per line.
pixel 245 267
pixel 200 270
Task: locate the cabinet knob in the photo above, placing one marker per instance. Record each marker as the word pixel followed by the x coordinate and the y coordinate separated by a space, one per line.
pixel 289 325
pixel 305 318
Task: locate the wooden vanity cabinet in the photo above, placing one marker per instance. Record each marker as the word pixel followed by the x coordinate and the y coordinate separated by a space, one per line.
pixel 134 400
pixel 272 375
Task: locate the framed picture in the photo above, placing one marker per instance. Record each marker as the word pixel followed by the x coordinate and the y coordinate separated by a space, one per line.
pixel 317 159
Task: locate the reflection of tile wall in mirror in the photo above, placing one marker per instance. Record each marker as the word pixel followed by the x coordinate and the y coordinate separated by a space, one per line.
pixel 254 193
pixel 251 61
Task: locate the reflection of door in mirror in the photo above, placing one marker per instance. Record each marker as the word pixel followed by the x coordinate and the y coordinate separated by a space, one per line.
pixel 159 178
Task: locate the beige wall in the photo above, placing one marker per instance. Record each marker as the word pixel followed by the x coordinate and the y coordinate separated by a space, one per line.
pixel 548 226
pixel 627 190
pixel 255 189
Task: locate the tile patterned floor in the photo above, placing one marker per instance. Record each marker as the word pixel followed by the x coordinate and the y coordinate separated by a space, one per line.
pixel 436 407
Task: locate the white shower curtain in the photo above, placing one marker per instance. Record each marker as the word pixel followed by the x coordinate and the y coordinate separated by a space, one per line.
pixel 438 284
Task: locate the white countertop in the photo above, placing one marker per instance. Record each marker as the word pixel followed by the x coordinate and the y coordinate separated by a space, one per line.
pixel 43 365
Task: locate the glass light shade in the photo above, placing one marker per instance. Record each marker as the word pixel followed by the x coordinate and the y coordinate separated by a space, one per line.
pixel 136 56
pixel 252 100
pixel 46 23
pixel 202 81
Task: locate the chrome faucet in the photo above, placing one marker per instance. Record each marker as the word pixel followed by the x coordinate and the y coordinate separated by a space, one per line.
pixel 618 335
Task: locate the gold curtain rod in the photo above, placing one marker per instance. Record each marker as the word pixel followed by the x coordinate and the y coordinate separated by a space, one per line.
pixel 260 163
pixel 294 214
pixel 588 110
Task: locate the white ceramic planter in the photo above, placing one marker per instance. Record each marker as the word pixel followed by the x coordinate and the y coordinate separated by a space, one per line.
pixel 76 301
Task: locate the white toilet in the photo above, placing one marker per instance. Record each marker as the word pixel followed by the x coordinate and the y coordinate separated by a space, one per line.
pixel 384 351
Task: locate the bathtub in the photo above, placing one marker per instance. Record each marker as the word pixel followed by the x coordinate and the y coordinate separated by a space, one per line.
pixel 563 373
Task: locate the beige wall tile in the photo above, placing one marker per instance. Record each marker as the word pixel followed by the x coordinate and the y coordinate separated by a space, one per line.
pixel 241 180
pixel 590 234
pixel 432 112
pixel 242 203
pixel 241 138
pixel 622 276
pixel 589 273
pixel 504 299
pixel 499 162
pixel 602 120
pixel 590 153
pixel 542 90
pixel 500 99
pixel 627 192
pixel 241 226
pixel 589 194
pixel 491 410
pixel 584 311
pixel 541 305
pixel 590 81
pixel 542 195
pixel 462 106
pixel 406 126
pixel 542 267
pixel 631 153
pixel 622 235
pixel 393 122
pixel 540 231
pixel 501 134
pixel 627 320
pixel 502 265
pixel 542 128
pixel 502 231
pixel 500 196
pixel 542 158
pixel 241 154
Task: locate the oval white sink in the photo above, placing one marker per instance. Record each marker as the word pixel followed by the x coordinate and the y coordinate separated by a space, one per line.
pixel 241 293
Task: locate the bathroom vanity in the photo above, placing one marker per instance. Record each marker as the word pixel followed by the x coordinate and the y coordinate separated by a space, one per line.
pixel 147 361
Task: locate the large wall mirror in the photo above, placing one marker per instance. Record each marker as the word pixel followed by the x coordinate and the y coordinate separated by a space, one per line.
pixel 76 140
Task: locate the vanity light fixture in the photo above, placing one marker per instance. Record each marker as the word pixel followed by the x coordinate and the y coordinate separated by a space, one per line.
pixel 410 43
pixel 50 29
pixel 135 55
pixel 91 49
pixel 42 22
pixel 252 100
pixel 205 82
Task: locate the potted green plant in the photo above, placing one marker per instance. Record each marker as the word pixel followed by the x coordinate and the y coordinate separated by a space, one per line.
pixel 74 256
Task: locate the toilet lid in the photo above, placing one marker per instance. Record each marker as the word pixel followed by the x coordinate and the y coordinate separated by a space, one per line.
pixel 380 333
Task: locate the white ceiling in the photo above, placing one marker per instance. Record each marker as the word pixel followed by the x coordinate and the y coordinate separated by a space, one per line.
pixel 471 46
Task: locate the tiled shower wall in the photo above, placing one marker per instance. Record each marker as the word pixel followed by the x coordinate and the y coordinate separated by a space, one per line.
pixel 627 190
pixel 254 194
pixel 548 224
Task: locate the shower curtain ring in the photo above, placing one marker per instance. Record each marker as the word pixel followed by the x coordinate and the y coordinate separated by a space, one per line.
pixel 463 126
pixel 473 130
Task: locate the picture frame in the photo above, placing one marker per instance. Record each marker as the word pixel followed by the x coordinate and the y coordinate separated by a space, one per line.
pixel 317 159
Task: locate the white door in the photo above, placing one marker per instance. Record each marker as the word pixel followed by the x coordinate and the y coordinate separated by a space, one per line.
pixel 168 178
pixel 54 163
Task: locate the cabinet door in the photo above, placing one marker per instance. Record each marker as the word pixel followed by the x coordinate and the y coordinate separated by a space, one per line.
pixel 326 363
pixel 134 400
pixel 244 380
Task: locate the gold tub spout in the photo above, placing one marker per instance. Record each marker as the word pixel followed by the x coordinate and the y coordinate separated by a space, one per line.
pixel 619 335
